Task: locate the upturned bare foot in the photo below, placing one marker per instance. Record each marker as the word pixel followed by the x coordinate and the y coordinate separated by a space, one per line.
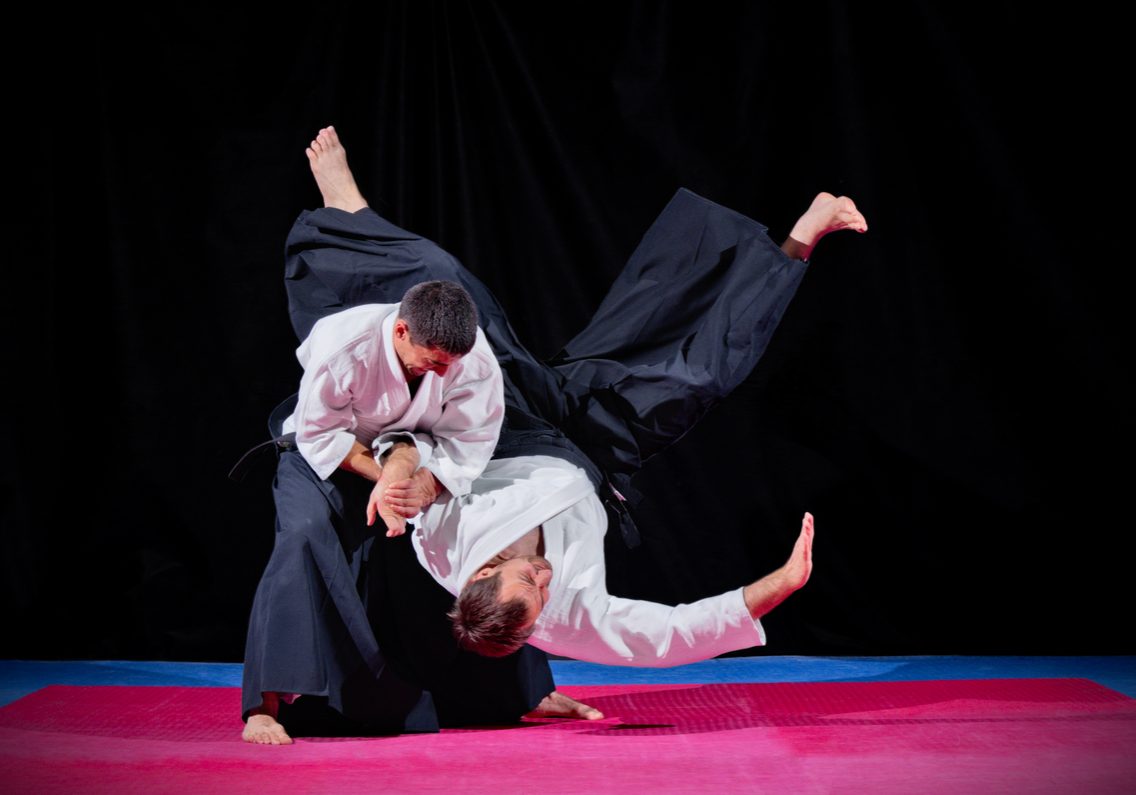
pixel 826 214
pixel 558 705
pixel 328 160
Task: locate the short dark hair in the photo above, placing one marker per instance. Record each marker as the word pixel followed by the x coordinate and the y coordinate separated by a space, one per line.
pixel 484 624
pixel 440 315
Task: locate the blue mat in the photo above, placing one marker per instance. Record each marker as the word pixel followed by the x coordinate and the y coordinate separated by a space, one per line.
pixel 20 677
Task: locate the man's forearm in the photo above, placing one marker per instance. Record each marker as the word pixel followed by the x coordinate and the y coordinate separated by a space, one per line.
pixel 400 462
pixel 362 462
pixel 765 594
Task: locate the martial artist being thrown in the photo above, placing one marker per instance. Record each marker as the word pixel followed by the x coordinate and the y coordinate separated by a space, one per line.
pixel 684 324
pixel 524 551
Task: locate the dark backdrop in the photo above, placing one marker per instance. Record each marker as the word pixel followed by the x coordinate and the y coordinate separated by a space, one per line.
pixel 947 394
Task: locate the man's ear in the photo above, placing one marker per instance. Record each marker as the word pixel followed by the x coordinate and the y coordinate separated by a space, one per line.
pixel 483 572
pixel 401 328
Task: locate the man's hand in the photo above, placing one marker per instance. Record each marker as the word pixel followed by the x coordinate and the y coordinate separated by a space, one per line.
pixel 377 506
pixel 408 497
pixel 799 567
pixel 398 465
pixel 362 462
pixel 773 589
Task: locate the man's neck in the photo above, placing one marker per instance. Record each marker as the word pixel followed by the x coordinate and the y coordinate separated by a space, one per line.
pixel 412 382
pixel 531 543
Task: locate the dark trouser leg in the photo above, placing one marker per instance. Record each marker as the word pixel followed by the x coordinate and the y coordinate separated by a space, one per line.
pixel 309 631
pixel 686 322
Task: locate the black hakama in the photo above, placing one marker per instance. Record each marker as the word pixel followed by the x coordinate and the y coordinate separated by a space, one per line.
pixel 685 323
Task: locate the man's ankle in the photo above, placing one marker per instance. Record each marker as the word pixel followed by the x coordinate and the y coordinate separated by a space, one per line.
pixel 795 249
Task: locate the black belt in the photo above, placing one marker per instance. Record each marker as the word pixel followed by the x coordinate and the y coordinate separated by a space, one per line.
pixel 285 441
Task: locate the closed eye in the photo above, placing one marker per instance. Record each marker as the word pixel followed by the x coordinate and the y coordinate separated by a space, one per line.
pixel 528 579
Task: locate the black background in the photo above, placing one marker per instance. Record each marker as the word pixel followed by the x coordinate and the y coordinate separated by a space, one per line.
pixel 948 394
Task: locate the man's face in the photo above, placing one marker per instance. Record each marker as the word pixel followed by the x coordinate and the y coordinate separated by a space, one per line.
pixel 527 579
pixel 417 360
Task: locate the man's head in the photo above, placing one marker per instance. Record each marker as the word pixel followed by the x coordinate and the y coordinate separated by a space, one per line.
pixel 436 326
pixel 498 608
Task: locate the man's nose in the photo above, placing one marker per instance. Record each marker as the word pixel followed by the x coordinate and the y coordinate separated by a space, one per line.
pixel 543 577
pixel 440 369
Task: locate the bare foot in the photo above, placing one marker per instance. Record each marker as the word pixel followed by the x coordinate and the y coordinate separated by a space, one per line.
pixel 328 160
pixel 262 727
pixel 558 705
pixel 264 730
pixel 826 214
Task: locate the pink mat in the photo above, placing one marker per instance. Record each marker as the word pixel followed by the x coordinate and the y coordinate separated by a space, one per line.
pixel 1006 736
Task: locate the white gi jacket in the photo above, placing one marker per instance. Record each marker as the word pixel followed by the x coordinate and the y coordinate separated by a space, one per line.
pixel 354 387
pixel 456 536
